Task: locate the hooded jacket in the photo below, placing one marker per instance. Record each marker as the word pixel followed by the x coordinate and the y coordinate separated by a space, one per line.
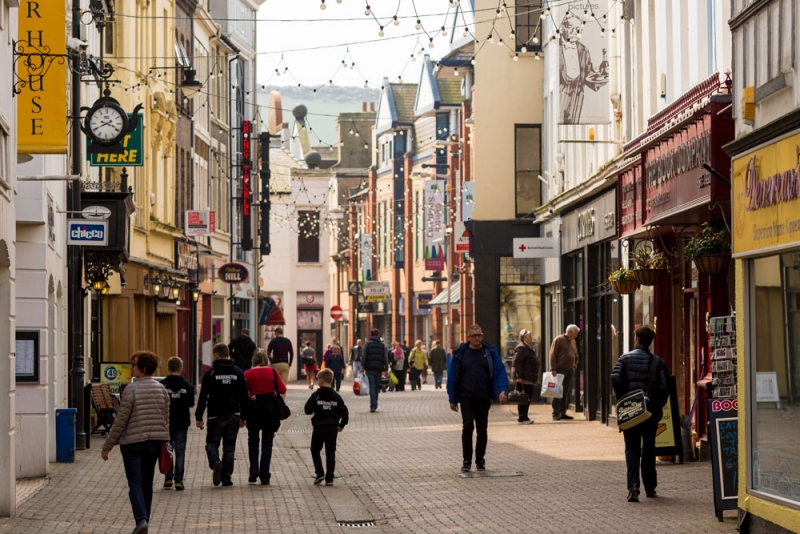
pixel 498 379
pixel 327 407
pixel 181 394
pixel 224 390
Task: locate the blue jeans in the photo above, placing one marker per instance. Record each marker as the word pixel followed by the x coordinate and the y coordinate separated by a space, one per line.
pixel 374 378
pixel 140 461
pixel 253 437
pixel 179 446
pixel 223 428
pixel 437 378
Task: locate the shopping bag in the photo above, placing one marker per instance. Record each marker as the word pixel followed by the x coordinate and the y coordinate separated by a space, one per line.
pixel 348 374
pixel 552 386
pixel 392 379
pixel 361 386
pixel 165 457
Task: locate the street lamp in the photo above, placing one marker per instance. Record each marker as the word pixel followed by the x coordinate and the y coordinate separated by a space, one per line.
pixel 176 291
pixel 190 85
pixel 195 293
pixel 156 286
pixel 166 288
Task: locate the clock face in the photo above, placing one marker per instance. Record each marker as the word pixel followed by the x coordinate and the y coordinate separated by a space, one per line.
pixel 106 124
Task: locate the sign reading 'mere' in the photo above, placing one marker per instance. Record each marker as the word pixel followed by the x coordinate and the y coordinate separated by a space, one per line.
pixel 131 155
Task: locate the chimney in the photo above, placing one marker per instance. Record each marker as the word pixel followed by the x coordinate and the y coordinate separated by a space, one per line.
pixel 372 106
pixel 363 106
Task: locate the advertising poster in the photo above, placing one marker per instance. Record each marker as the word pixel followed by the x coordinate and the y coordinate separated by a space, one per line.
pixel 115 374
pixel 583 65
pixel 434 225
pixel 467 200
pixel 366 256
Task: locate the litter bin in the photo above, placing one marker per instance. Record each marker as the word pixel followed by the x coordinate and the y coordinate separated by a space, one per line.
pixel 65 434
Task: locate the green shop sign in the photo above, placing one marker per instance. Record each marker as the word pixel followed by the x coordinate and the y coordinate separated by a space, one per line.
pixel 131 156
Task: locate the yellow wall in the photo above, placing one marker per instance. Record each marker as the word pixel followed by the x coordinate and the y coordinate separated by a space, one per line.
pixel 507 92
pixel 780 515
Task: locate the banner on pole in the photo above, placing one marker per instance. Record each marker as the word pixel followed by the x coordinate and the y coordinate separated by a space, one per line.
pixel 434 225
pixel 366 256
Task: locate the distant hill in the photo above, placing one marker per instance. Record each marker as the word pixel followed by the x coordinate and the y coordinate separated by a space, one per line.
pixel 322 109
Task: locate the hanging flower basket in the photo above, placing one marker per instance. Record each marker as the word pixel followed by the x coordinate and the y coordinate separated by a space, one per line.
pixel 648 277
pixel 625 287
pixel 712 264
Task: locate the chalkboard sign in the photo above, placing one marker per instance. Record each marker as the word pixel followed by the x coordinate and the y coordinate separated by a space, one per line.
pixel 724 434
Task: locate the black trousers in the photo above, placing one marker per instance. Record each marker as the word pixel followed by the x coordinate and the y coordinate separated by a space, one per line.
pixel 401 380
pixel 560 405
pixel 474 417
pixel 640 445
pixel 522 409
pixel 324 435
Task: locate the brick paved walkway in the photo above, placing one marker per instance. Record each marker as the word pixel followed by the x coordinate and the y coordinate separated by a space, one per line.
pixel 399 470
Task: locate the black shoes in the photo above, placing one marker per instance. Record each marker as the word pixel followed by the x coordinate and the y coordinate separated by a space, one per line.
pixel 253 478
pixel 319 480
pixel 465 467
pixel 567 417
pixel 556 418
pixel 227 483
pixel 633 495
pixel 141 527
pixel 651 494
pixel 217 477
pixel 480 466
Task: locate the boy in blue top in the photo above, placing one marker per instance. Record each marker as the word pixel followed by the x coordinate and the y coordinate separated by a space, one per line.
pixel 330 418
pixel 475 376
pixel 181 395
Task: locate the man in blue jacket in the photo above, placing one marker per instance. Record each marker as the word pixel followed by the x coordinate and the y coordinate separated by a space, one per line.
pixel 475 376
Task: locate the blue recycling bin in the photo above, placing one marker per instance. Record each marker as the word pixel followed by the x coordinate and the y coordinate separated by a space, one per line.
pixel 65 434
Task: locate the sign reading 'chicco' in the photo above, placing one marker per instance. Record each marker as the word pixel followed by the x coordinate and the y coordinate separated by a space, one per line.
pixel 233 273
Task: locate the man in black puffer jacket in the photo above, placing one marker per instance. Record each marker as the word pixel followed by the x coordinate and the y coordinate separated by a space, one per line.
pixel 632 372
pixel 374 362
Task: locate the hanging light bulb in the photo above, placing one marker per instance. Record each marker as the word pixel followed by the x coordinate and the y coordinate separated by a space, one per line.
pixel 436 68
pixel 455 71
pixel 366 84
pixel 465 34
pixel 338 1
pixel 350 131
pixel 383 88
pixel 352 65
pixel 536 56
pixel 472 60
pixel 500 42
pixel 523 49
pixel 513 35
pixel 614 33
pixel 396 21
pixel 444 31
pixel 490 38
pixel 330 82
pixel 367 11
pixel 366 146
pixel 602 32
pixel 535 40
pixel 322 6
pixel 516 57
pixel 413 57
pixel 418 25
pixel 314 93
pixel 430 43
pixel 380 33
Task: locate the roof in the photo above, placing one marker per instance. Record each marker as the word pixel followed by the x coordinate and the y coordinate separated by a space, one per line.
pixel 450 91
pixel 395 106
pixel 455 295
pixel 404 96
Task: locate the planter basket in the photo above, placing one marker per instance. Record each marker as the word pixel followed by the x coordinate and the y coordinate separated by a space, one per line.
pixel 648 277
pixel 625 287
pixel 712 264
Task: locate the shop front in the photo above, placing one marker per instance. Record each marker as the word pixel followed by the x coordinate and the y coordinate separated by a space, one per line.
pixel 766 248
pixel 590 250
pixel 675 187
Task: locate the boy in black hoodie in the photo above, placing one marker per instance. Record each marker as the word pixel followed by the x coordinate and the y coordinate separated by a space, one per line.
pixel 330 418
pixel 224 389
pixel 181 395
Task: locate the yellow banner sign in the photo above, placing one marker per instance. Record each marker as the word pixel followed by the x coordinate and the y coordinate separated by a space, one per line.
pixel 766 196
pixel 42 107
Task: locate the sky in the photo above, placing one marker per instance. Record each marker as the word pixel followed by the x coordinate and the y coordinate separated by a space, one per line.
pixel 314 42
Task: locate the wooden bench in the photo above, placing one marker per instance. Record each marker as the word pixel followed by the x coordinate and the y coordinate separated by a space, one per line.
pixel 103 402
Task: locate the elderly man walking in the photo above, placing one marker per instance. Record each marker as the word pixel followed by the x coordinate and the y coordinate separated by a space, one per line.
pixel 564 361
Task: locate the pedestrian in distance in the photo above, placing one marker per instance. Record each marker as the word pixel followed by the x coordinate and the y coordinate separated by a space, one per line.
pixel 417 362
pixel 263 384
pixel 564 361
pixel 438 361
pixel 328 352
pixel 140 428
pixel 224 391
pixel 633 371
pixel 330 416
pixel 281 354
pixel 475 377
pixel 374 362
pixel 241 350
pixel 355 357
pixel 308 357
pixel 336 364
pixel 526 372
pixel 181 394
pixel 398 365
pixel 406 354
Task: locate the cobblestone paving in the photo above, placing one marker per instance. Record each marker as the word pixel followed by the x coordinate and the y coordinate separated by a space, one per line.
pixel 399 469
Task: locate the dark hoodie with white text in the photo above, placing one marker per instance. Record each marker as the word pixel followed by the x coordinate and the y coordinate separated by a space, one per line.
pixel 328 408
pixel 224 390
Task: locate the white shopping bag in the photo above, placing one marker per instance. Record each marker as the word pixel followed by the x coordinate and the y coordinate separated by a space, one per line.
pixel 552 386
pixel 361 385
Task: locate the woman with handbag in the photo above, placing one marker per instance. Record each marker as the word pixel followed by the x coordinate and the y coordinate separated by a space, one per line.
pixel 141 428
pixel 526 371
pixel 264 385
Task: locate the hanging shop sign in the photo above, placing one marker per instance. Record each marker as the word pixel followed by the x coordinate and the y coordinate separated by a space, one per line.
pixel 461 237
pixel 365 243
pixel 376 291
pixel 723 422
pixel 233 273
pixel 433 199
pixel 199 223
pixel 630 199
pixel 422 304
pixel 247 192
pixel 42 108
pixel 132 154
pixel 536 247
pixel 467 200
pixel 766 196
pixel 85 233
pixel 591 223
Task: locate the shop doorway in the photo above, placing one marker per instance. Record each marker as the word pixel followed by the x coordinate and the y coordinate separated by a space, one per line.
pixel 304 336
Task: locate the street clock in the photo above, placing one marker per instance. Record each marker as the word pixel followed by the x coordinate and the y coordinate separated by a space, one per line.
pixel 106 124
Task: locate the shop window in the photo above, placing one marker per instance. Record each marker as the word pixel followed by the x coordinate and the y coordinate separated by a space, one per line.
pixel 528 24
pixel 308 237
pixel 520 270
pixel 774 380
pixel 520 307
pixel 528 157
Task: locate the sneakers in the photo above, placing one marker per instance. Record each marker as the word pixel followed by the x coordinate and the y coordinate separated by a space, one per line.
pixel 465 467
pixel 227 483
pixel 217 477
pixel 167 482
pixel 525 422
pixel 480 466
pixel 319 480
pixel 651 494
pixel 633 495
pixel 567 417
pixel 253 478
pixel 179 486
pixel 329 483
